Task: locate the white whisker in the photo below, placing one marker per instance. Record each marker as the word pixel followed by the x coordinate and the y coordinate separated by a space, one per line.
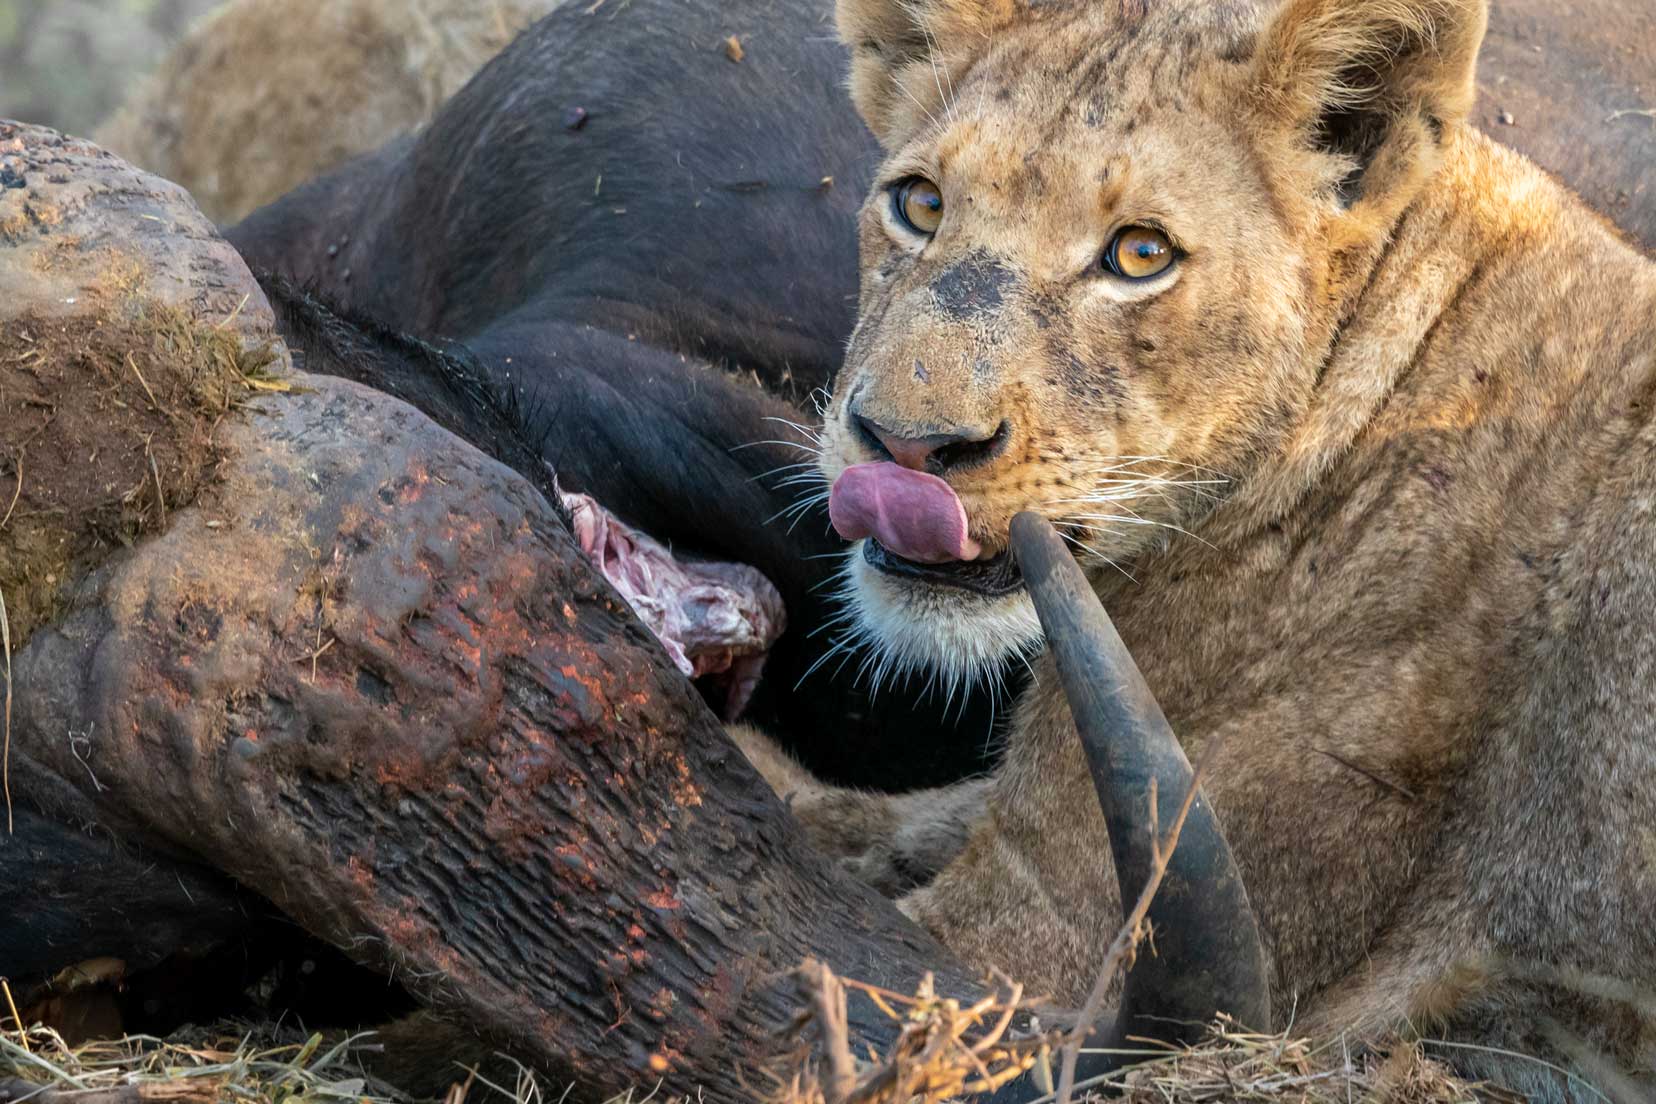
pixel 892 647
pixel 809 450
pixel 834 648
pixel 947 99
pixel 1133 520
pixel 923 108
pixel 802 465
pixel 799 508
pixel 1088 550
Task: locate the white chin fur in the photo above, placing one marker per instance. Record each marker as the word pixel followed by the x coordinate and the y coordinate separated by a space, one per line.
pixel 955 635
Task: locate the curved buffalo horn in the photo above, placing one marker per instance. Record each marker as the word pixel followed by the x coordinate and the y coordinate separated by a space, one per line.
pixel 1208 957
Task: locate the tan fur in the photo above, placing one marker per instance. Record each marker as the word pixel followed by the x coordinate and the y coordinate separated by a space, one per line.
pixel 1397 546
pixel 892 842
pixel 263 96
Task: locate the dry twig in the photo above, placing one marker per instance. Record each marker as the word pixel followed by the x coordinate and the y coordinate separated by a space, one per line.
pixel 943 1051
pixel 833 1022
pixel 17 1020
pixel 5 751
pixel 160 495
pixel 133 364
pixel 16 494
pixel 17 1091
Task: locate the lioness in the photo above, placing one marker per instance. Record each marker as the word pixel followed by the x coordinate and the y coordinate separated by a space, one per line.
pixel 1346 410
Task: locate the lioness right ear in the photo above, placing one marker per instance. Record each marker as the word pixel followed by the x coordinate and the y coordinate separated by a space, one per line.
pixel 1375 84
pixel 905 52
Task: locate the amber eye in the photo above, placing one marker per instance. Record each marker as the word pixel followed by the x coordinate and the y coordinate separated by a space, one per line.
pixel 918 205
pixel 1138 253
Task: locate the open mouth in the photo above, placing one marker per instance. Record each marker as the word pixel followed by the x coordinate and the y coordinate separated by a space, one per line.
pixel 992 578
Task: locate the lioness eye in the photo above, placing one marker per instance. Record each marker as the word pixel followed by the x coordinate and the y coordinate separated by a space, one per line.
pixel 919 205
pixel 1138 253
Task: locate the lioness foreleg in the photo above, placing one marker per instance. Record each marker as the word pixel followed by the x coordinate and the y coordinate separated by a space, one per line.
pixel 893 842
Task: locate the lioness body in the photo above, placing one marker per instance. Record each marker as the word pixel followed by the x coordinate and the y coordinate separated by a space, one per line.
pixel 1373 649
pixel 1418 609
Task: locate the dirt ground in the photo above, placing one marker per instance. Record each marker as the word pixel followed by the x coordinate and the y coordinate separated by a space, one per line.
pixel 138 441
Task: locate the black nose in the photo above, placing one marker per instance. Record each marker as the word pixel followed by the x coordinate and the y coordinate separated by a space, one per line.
pixel 925 449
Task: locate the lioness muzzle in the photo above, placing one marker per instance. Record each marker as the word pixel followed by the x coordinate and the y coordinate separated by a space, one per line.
pixel 1208 958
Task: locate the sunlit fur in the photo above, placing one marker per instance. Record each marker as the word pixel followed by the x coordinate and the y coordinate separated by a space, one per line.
pixel 1367 482
pixel 957 638
pixel 1127 401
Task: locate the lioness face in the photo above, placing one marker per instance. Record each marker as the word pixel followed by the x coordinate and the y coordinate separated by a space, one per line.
pixel 1080 297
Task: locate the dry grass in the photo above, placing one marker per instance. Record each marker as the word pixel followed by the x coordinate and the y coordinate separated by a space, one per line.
pixel 207 1065
pixel 234 1064
pixel 943 1049
pixel 946 1049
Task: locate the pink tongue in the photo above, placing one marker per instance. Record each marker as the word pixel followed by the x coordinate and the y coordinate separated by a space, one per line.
pixel 914 514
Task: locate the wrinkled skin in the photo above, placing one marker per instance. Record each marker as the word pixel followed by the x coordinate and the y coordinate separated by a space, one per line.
pixel 358 685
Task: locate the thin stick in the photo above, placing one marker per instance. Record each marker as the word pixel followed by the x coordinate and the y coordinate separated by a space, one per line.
pixel 829 995
pixel 22 1035
pixel 1127 938
pixel 16 494
pixel 160 496
pixel 133 364
pixel 1005 1021
pixel 18 1091
pixel 233 313
pixel 5 754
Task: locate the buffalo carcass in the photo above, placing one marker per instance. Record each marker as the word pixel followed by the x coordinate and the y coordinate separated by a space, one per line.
pixel 629 229
pixel 660 404
pixel 278 645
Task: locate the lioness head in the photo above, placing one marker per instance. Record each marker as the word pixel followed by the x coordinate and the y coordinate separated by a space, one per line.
pixel 1103 263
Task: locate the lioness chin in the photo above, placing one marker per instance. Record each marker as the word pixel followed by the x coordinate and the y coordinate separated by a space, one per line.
pixel 1347 411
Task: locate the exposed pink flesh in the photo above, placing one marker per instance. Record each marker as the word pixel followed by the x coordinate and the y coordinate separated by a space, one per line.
pixel 914 514
pixel 716 620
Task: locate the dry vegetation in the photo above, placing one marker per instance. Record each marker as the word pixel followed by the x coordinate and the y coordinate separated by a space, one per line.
pixel 242 101
pixel 67 63
pixel 946 1049
pixel 151 385
pixel 265 1064
pixel 330 79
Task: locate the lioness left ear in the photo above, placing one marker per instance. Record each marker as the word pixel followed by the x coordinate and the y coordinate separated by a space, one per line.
pixel 1372 84
pixel 903 53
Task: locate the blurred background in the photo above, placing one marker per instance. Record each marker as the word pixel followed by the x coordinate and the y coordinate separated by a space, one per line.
pixel 69 63
pixel 242 100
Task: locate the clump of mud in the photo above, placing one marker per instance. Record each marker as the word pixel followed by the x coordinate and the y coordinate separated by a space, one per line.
pixel 108 425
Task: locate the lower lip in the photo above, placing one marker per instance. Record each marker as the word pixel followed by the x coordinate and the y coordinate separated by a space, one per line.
pixel 992 578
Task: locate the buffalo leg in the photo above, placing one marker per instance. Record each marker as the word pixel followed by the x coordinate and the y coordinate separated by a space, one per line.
pixel 74 895
pixel 374 679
